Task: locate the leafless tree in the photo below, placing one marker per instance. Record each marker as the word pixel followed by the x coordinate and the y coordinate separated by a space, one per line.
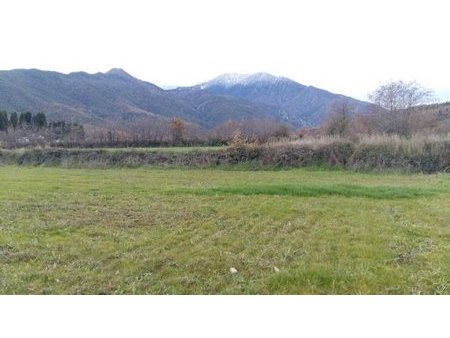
pixel 225 131
pixel 338 118
pixel 394 102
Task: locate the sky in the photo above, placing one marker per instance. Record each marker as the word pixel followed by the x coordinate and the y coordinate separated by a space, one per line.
pixel 346 46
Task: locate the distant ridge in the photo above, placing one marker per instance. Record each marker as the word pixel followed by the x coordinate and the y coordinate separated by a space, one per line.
pixel 285 99
pixel 233 79
pixel 117 98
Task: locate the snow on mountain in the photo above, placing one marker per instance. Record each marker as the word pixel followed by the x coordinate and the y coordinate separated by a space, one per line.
pixel 287 100
pixel 232 79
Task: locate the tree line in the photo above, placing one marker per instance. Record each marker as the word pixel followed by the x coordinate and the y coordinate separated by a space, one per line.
pixel 27 120
pixel 28 129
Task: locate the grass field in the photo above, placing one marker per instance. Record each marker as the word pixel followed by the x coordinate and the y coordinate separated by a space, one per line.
pixel 179 231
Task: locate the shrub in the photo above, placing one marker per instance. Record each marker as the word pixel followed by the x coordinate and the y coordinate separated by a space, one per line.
pixel 417 154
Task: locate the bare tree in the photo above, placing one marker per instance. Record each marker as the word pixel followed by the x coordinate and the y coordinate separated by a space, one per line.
pixel 225 131
pixel 338 118
pixel 394 102
pixel 252 130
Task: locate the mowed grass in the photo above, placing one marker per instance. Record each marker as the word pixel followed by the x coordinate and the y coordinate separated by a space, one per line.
pixel 179 231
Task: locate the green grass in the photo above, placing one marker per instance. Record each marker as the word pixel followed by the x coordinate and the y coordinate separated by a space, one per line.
pixel 178 231
pixel 316 190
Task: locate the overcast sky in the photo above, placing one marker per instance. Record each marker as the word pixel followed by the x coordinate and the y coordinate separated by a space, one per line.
pixel 344 46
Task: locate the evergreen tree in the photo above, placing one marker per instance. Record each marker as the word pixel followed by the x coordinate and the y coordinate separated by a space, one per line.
pixel 13 121
pixel 40 121
pixel 3 121
pixel 28 119
pixel 22 120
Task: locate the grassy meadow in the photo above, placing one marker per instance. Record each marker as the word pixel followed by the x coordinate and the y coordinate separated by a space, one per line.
pixel 179 231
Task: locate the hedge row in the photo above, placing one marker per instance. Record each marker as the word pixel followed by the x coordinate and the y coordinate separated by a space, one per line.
pixel 429 157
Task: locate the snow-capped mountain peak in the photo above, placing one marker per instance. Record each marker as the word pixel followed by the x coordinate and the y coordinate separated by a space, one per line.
pixel 233 79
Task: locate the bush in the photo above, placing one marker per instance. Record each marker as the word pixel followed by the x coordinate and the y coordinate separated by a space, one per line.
pixel 425 155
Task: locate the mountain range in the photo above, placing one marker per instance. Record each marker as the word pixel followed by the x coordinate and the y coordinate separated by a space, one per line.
pixel 117 98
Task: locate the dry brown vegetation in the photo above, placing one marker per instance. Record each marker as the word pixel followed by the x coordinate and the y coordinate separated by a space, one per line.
pixel 418 154
pixel 399 108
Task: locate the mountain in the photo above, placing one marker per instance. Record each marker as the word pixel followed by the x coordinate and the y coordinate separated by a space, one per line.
pixel 116 98
pixel 286 99
pixel 98 99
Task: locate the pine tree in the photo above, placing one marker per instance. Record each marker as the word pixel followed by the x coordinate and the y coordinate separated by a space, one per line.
pixel 13 120
pixel 28 119
pixel 22 120
pixel 40 121
pixel 3 121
